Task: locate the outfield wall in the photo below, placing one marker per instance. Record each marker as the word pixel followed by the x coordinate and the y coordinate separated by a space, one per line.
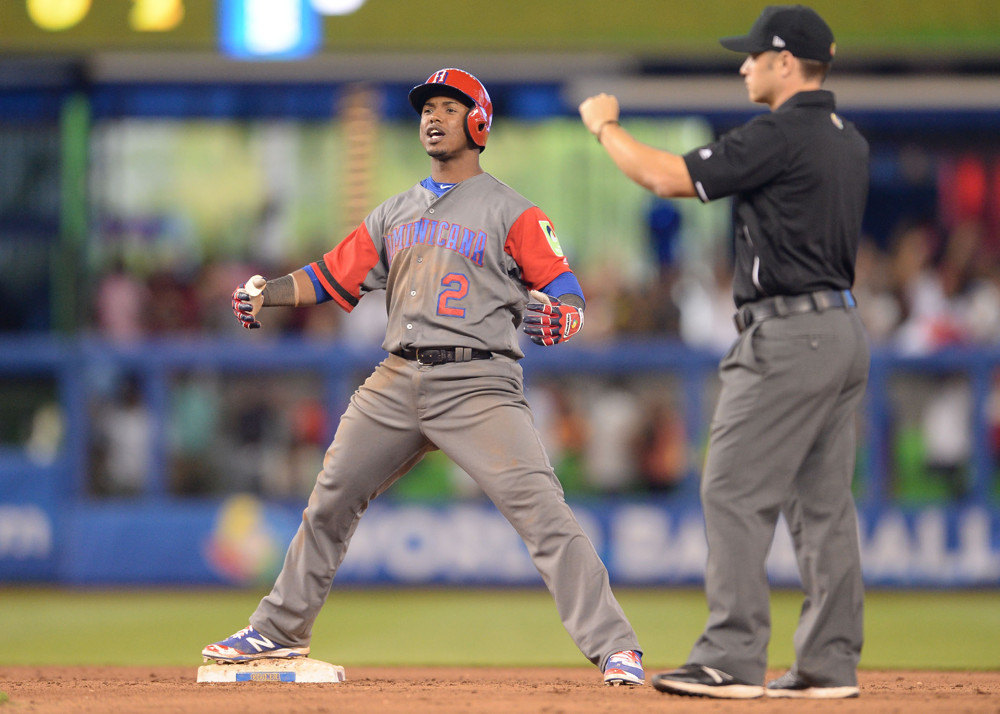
pixel 241 541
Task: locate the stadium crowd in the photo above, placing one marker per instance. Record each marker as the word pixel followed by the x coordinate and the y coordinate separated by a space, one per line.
pixel 930 281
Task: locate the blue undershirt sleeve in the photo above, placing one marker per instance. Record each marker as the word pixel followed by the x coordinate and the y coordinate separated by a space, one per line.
pixel 321 294
pixel 563 284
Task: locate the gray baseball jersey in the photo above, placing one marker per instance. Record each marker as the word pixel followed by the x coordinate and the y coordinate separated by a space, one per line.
pixel 456 270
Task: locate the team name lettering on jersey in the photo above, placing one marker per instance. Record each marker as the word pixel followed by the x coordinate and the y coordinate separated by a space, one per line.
pixel 443 234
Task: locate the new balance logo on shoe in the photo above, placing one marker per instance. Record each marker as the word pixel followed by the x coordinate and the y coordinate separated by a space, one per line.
pixel 260 643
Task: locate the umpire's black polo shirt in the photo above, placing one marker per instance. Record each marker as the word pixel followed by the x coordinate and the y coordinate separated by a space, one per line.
pixel 800 177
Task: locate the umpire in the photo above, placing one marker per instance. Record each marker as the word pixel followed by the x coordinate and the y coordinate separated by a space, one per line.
pixel 783 434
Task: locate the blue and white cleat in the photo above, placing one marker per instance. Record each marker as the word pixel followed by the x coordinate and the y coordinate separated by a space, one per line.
pixel 247 645
pixel 624 667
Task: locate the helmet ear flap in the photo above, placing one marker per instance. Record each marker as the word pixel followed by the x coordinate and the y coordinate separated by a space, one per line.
pixel 478 125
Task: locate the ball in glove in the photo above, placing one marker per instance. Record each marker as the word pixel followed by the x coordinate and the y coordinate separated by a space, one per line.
pixel 553 321
pixel 247 301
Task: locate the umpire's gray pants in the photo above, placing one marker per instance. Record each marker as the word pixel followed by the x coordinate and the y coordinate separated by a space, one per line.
pixel 783 440
pixel 475 412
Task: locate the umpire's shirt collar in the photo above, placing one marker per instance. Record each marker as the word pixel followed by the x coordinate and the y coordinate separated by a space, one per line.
pixel 819 98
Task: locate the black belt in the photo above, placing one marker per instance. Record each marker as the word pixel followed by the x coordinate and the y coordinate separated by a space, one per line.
pixel 439 355
pixel 782 305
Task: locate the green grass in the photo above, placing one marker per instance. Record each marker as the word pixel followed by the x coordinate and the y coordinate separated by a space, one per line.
pixel 908 630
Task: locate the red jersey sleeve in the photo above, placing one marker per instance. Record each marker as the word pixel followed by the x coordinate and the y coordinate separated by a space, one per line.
pixel 342 271
pixel 533 245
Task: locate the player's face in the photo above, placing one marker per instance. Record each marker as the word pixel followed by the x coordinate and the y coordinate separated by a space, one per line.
pixel 442 127
pixel 760 76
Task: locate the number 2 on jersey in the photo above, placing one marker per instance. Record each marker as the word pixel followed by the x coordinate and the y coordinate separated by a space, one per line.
pixel 456 287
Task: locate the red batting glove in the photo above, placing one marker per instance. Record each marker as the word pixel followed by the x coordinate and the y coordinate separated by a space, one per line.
pixel 555 322
pixel 243 309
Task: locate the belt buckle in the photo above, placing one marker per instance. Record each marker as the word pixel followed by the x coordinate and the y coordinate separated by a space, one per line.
pixel 432 353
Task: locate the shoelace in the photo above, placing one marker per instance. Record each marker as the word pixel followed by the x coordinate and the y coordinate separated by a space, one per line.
pixel 625 658
pixel 241 634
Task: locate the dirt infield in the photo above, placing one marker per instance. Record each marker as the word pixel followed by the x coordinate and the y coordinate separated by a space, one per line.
pixel 68 690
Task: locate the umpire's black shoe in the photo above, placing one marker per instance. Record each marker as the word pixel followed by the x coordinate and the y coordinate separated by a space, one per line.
pixel 697 680
pixel 794 686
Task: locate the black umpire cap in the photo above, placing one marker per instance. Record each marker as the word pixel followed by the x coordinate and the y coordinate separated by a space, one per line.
pixel 796 28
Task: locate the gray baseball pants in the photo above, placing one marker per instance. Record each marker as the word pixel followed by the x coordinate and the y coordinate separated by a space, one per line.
pixel 783 441
pixel 475 412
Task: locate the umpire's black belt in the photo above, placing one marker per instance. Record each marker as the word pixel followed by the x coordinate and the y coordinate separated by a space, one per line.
pixel 439 355
pixel 782 305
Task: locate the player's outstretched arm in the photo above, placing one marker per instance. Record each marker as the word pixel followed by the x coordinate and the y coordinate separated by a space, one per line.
pixel 553 320
pixel 661 172
pixel 292 290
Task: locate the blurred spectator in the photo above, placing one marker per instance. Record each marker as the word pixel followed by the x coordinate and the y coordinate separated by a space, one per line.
pixel 664 221
pixel 194 430
pixel 564 433
pixel 706 308
pixel 309 439
pixel 124 431
pixel 903 188
pixel 613 423
pixel 963 183
pixel 47 432
pixel 947 434
pixel 649 308
pixel 258 445
pixel 322 324
pixel 949 303
pixel 173 305
pixel 601 288
pixel 880 310
pixel 661 446
pixel 121 303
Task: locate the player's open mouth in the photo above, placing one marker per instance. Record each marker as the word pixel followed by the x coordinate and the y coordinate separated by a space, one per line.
pixel 435 135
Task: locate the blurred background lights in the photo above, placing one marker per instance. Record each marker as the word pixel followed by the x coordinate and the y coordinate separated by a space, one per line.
pixel 56 15
pixel 272 27
pixel 336 7
pixel 269 29
pixel 156 15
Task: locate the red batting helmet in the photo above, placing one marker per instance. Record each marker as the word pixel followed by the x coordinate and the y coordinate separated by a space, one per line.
pixel 464 87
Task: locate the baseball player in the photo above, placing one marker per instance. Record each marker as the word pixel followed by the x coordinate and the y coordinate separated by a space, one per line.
pixel 458 255
pixel 782 437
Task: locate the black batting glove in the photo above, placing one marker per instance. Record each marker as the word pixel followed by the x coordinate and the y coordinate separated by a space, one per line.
pixel 243 308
